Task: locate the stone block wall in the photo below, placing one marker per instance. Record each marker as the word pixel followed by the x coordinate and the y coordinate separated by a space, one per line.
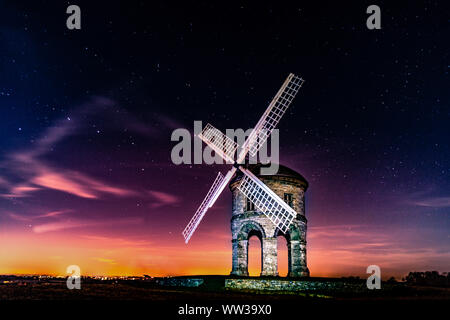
pixel 245 224
pixel 293 285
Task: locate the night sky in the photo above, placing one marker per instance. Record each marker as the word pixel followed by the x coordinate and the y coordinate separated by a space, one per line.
pixel 86 118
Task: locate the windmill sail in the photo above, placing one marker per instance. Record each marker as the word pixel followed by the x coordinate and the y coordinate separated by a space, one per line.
pixel 266 200
pixel 269 120
pixel 216 189
pixel 219 142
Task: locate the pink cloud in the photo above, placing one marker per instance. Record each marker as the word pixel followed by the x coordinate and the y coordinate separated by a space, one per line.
pixel 44 176
pixel 103 187
pixel 36 174
pixel 76 183
pixel 73 182
pixel 57 182
pixel 70 224
pixel 18 217
pixel 12 195
pixel 19 191
pixel 163 198
pixel 53 213
pixel 30 167
pixel 23 189
pixel 29 218
pixel 56 226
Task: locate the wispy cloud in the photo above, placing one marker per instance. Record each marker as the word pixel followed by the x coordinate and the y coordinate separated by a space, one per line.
pixel 163 198
pixel 56 181
pixel 30 218
pixel 19 191
pixel 53 213
pixel 62 225
pixel 429 196
pixel 169 122
pixel 37 174
pixel 23 189
pixel 32 172
pixel 433 202
pixel 77 184
pixel 18 217
pixel 70 224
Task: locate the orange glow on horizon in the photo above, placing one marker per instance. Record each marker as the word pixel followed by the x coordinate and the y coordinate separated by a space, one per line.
pixel 332 252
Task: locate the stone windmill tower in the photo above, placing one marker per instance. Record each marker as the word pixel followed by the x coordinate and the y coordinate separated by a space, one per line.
pixel 246 222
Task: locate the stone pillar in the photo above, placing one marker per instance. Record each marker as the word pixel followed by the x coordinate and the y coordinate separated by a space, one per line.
pixel 289 257
pixel 298 259
pixel 240 257
pixel 269 257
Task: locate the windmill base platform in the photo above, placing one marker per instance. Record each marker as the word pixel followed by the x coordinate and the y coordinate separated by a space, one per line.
pixel 270 284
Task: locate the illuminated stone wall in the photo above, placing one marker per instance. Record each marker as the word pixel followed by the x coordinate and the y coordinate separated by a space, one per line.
pixel 296 285
pixel 245 224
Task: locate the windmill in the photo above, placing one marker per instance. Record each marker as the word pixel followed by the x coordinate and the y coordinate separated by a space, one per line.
pixel 264 199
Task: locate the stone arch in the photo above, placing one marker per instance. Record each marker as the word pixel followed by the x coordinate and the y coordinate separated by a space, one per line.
pixel 296 245
pixel 240 246
pixel 294 233
pixel 249 229
pixel 287 236
pixel 278 233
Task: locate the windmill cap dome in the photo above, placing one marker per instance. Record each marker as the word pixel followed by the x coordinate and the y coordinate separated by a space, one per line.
pixel 283 171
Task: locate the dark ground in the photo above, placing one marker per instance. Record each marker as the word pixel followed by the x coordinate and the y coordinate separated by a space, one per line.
pixel 212 291
pixel 145 297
